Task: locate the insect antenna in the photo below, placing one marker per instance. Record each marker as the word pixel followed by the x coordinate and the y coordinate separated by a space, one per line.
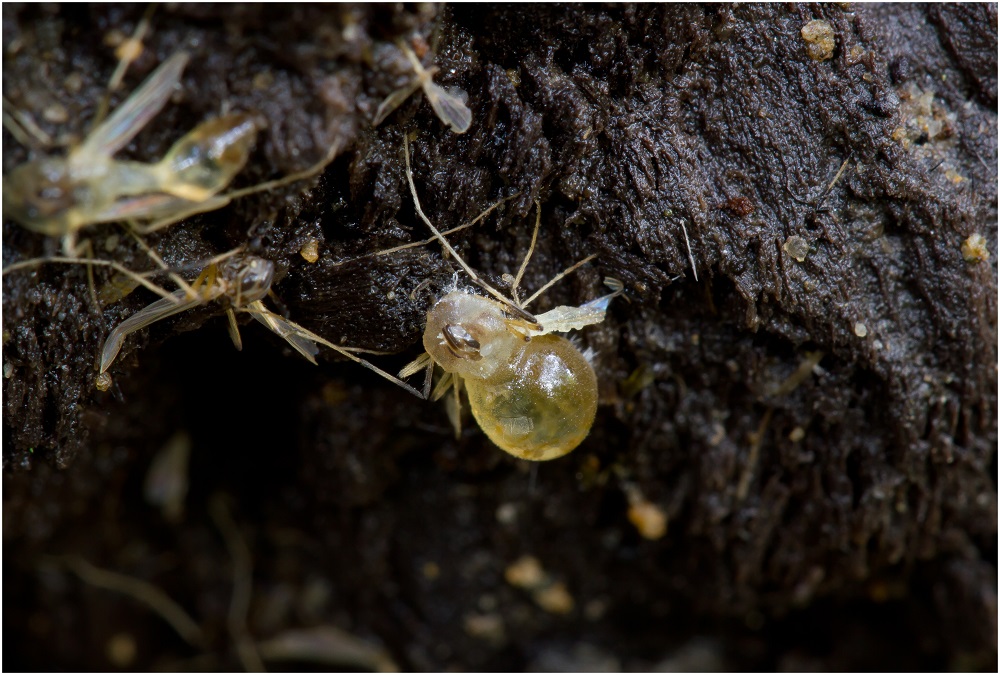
pixel 23 128
pixel 155 257
pixel 448 247
pixel 453 230
pixel 68 260
pixel 308 172
pixel 569 270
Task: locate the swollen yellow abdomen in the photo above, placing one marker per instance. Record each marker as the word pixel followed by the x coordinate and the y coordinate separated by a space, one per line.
pixel 542 404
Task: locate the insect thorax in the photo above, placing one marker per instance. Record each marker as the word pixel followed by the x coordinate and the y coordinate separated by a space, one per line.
pixel 467 335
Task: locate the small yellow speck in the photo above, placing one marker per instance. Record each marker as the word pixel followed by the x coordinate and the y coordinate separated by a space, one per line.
pixel 648 518
pixel 263 80
pixel 860 329
pixel 878 592
pixel 129 50
pixel 638 379
pixel 555 599
pixel 796 434
pixel 55 113
pixel 507 513
pixel 431 570
pixel 525 572
pixel 488 627
pixel 974 249
pixel 114 37
pixel 102 382
pixel 797 247
pixel 718 435
pixel 820 40
pixel 334 393
pixel 121 650
pixel 954 176
pixel 73 83
pixel 854 55
pixel 310 251
pixel 595 609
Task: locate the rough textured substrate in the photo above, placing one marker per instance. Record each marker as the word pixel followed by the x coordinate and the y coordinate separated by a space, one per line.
pixel 838 516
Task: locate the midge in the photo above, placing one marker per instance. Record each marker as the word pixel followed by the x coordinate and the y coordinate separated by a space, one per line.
pixel 533 393
pixel 240 281
pixel 59 196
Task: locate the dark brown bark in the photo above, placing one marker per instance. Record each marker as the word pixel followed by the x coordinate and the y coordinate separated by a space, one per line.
pixel 838 516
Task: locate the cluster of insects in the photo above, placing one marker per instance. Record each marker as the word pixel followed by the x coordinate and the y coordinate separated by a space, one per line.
pixel 533 392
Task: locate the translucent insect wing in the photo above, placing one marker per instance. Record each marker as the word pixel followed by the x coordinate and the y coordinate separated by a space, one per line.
pixel 143 207
pixel 291 333
pixel 449 105
pixel 159 310
pixel 393 101
pixel 145 102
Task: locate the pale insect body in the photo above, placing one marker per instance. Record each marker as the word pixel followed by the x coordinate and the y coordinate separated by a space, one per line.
pixel 533 393
pixel 58 196
pixel 242 281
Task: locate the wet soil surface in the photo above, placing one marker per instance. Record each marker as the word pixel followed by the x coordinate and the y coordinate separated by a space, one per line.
pixel 793 464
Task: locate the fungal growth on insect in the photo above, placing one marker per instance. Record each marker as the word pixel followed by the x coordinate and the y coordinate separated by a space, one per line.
pixel 533 393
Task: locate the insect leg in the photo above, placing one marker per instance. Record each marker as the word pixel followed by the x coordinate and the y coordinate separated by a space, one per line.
pixel 453 230
pixel 301 332
pixel 416 365
pixel 443 385
pixel 553 280
pixel 453 407
pixel 127 52
pixel 308 172
pixel 86 251
pixel 440 237
pixel 234 330
pixel 531 249
pixel 23 128
pixel 155 257
pixel 118 267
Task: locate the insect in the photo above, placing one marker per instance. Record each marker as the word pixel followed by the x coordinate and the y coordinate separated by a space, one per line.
pixel 59 196
pixel 242 281
pixel 533 393
pixel 449 103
